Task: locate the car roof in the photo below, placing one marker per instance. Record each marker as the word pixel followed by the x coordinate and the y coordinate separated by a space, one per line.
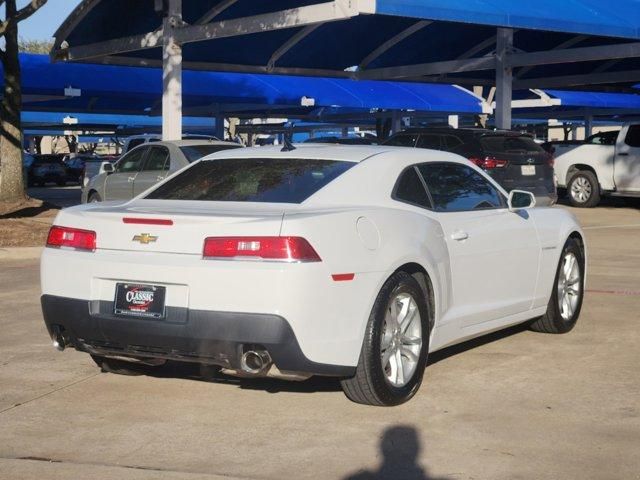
pixel 345 153
pixel 310 151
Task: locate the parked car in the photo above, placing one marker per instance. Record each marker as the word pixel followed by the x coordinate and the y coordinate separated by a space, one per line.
pixel 43 169
pixel 95 166
pixel 75 165
pixel 342 140
pixel 513 159
pixel 136 140
pixel 146 165
pixel 594 170
pixel 353 262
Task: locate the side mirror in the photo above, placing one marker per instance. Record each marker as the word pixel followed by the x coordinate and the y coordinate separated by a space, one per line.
pixel 519 200
pixel 107 167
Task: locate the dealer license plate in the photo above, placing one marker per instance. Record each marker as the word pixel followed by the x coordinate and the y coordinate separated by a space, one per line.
pixel 528 170
pixel 136 300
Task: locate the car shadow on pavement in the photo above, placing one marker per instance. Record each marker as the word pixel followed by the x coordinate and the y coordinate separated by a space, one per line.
pixel 609 202
pixel 29 209
pixel 400 448
pixel 204 373
pixel 445 353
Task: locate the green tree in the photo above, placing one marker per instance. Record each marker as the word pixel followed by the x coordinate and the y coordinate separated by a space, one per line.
pixel 11 180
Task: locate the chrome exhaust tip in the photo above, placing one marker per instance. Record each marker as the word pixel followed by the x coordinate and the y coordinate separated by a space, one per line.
pixel 255 362
pixel 58 340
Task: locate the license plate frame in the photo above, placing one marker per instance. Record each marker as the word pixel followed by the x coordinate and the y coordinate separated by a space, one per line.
pixel 140 300
pixel 528 170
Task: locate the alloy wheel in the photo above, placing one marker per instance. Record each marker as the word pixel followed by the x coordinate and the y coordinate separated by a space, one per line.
pixel 581 190
pixel 401 340
pixel 569 286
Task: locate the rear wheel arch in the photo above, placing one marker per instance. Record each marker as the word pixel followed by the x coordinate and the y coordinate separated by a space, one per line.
pixel 576 235
pixel 93 193
pixel 421 275
pixel 580 167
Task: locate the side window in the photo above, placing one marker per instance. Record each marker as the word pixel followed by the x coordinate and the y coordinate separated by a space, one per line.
pixel 131 162
pixel 458 188
pixel 403 140
pixel 451 142
pixel 410 189
pixel 134 143
pixel 430 141
pixel 157 160
pixel 633 136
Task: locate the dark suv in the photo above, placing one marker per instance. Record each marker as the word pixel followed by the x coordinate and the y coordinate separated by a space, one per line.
pixel 513 159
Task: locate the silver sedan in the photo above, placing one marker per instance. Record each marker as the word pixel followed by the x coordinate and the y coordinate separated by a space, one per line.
pixel 146 165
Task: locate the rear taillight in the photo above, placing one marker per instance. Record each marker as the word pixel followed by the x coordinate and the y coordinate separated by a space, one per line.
pixel 283 249
pixel 488 163
pixel 71 238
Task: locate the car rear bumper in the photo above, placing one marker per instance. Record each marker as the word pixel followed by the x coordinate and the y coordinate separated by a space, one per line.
pixel 208 337
pixel 328 318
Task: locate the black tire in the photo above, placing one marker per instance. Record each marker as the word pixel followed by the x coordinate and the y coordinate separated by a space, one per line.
pixel 94 197
pixel 122 367
pixel 552 321
pixel 61 183
pixel 584 177
pixel 562 193
pixel 369 386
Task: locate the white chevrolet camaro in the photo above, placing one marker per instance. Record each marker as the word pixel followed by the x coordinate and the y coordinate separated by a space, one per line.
pixel 352 262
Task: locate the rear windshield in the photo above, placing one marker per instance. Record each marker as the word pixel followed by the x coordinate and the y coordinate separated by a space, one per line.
pixel 507 144
pixel 196 152
pixel 277 180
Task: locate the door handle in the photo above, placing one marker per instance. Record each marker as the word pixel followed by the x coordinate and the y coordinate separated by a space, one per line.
pixel 131 179
pixel 623 154
pixel 459 236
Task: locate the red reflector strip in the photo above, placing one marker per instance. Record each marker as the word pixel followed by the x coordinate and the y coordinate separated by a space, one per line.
pixel 343 277
pixel 147 221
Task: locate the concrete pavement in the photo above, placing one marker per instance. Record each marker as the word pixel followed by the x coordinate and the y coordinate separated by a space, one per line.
pixel 62 196
pixel 515 405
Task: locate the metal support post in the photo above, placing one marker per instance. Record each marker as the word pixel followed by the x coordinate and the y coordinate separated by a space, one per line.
pixel 172 74
pixel 219 127
pixel 588 126
pixel 504 78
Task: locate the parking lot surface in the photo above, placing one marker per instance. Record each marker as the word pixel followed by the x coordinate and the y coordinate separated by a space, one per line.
pixel 514 405
pixel 61 196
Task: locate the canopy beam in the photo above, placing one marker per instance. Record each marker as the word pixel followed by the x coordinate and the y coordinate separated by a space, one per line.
pixel 392 42
pixel 289 44
pixel 215 11
pixel 295 17
pixel 626 76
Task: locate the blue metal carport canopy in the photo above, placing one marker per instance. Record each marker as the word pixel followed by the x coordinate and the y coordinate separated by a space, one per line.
pixel 573 104
pixel 134 90
pixel 566 43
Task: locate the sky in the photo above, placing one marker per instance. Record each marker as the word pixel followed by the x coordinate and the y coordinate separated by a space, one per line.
pixel 43 24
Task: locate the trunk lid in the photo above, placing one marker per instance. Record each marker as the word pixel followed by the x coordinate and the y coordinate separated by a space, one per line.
pixel 172 226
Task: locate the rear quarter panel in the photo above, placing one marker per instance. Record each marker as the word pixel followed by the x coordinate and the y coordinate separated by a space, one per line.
pixel 373 243
pixel 554 226
pixel 598 157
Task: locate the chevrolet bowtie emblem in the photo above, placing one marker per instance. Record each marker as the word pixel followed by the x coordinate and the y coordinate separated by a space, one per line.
pixel 145 239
